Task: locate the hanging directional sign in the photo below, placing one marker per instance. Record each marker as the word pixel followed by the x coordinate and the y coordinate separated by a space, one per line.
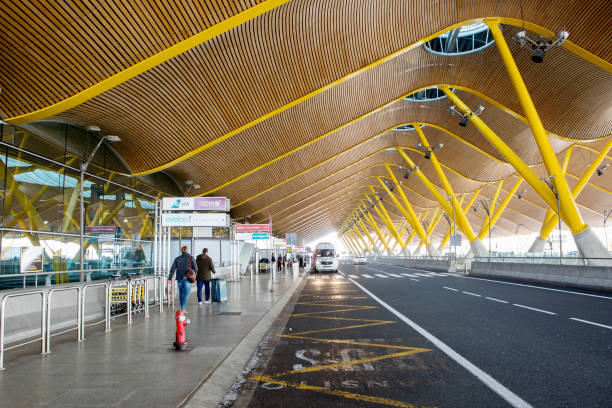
pixel 195 220
pixel 195 203
pixel 252 227
pixel 261 235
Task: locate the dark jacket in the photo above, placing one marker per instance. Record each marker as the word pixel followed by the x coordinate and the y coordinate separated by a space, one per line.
pixel 205 267
pixel 180 266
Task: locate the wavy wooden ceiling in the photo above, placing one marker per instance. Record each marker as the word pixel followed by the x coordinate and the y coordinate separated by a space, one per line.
pixel 212 98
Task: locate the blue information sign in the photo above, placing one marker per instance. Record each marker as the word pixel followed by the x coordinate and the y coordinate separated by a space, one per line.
pixel 261 235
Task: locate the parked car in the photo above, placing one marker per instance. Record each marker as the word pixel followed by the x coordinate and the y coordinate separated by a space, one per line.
pixel 264 265
pixel 360 260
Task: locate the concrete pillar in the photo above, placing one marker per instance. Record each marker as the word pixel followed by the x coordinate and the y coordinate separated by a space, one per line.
pixel 538 246
pixel 432 250
pixel 478 249
pixel 406 251
pixel 590 246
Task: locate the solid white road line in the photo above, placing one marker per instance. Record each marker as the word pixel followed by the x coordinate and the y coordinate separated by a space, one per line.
pixel 539 287
pixel 395 275
pixel 454 290
pixel 496 300
pixel 489 381
pixel 354 276
pixel 471 294
pixel 408 275
pixel 367 276
pixel 341 273
pixel 380 275
pixel 533 308
pixel 593 323
pixel 416 280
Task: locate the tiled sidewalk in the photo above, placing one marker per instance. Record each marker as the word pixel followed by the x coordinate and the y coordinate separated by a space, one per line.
pixel 137 366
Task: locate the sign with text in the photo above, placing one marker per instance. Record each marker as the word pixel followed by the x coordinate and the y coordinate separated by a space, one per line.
pixel 252 227
pixel 455 240
pixel 100 229
pixel 195 220
pixel 248 236
pixel 261 235
pixel 31 260
pixel 195 203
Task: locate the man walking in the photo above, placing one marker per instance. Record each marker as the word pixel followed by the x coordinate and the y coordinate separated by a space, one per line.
pixel 181 265
pixel 205 267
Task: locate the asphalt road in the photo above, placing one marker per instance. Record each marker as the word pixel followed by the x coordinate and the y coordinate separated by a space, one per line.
pixel 453 341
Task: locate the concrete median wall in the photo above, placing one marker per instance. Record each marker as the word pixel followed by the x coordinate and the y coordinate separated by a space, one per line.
pixel 576 276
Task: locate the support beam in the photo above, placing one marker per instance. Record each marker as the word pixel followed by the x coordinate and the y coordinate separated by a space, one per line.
pixel 500 209
pixel 384 215
pixel 372 223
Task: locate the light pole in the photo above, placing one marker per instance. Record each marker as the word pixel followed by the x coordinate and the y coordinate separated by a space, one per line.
pixel 108 138
pixel 485 205
pixel 606 216
pixel 556 193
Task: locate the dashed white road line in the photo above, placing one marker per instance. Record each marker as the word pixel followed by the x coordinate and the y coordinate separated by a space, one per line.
pixel 486 379
pixel 367 276
pixel 539 287
pixel 454 290
pixel 533 308
pixel 593 323
pixel 495 300
pixel 394 275
pixel 422 274
pixel 471 294
pixel 408 275
pixel 380 275
pixel 354 276
pixel 339 277
pixel 341 273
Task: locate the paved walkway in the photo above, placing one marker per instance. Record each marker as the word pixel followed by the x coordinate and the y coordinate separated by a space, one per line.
pixel 137 366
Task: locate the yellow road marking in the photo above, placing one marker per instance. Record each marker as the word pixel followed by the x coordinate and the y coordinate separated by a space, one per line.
pixel 345 318
pixel 344 328
pixel 313 314
pixel 355 343
pixel 338 393
pixel 316 303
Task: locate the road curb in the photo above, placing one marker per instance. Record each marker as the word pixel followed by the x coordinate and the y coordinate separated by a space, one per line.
pixel 215 386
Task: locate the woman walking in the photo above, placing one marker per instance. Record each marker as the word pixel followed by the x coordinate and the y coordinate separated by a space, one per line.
pixel 181 265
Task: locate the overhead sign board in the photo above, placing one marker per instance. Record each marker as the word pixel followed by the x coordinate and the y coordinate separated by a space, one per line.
pixel 247 236
pixel 261 235
pixel 195 204
pixel 455 240
pixel 252 227
pixel 195 220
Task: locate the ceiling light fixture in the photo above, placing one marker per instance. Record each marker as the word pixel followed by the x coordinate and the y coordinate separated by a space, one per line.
pixel 540 45
pixel 463 119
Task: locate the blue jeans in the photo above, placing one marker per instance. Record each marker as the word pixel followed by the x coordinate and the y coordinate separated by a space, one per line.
pixel 184 290
pixel 206 285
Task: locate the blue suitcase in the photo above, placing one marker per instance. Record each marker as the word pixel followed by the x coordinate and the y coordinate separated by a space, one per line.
pixel 219 290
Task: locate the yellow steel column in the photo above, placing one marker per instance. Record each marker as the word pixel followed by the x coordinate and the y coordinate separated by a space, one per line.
pixel 370 219
pixel 355 240
pixel 384 215
pixel 365 230
pixel 549 212
pixel 361 240
pixel 486 220
pixel 449 228
pixel 550 224
pixel 410 216
pixel 519 165
pixel 460 217
pixel 568 206
pixel 500 209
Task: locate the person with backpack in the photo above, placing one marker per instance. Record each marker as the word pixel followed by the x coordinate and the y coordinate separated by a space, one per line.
pixel 181 265
pixel 205 267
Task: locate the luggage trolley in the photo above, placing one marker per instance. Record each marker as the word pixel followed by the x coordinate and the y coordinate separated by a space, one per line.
pixel 119 296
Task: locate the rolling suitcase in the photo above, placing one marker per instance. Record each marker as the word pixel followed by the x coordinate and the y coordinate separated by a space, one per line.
pixel 219 290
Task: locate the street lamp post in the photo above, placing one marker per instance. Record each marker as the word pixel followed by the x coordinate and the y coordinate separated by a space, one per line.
pixel 606 216
pixel 109 138
pixel 556 193
pixel 485 206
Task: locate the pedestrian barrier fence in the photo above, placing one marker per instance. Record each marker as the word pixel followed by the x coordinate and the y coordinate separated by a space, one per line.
pixel 115 293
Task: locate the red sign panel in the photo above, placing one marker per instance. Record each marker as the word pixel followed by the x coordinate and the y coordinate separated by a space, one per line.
pixel 252 227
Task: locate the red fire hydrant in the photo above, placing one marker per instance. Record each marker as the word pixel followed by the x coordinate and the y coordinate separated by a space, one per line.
pixel 181 323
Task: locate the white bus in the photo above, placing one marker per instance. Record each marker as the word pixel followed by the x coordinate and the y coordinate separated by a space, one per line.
pixel 325 258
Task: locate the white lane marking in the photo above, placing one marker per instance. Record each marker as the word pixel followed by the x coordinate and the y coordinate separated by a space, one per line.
pixel 408 275
pixel 339 277
pixel 380 275
pixel 539 287
pixel 533 308
pixel 422 274
pixel 432 273
pixel 311 277
pixel 489 381
pixel 454 290
pixel 341 273
pixel 496 300
pixel 593 323
pixel 325 276
pixel 471 294
pixel 354 276
pixel 416 280
pixel 395 275
pixel 367 276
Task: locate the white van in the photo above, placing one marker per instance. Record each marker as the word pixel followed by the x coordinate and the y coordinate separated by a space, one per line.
pixel 325 258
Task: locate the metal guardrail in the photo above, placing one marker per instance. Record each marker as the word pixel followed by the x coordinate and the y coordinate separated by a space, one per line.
pixel 23 277
pixel 532 259
pixel 162 294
